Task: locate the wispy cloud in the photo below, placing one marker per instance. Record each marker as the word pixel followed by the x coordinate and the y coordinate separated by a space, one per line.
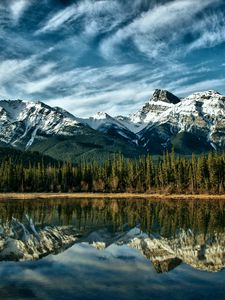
pixel 59 19
pixel 45 69
pixel 109 55
pixel 212 84
pixel 154 31
pixel 210 31
pixel 124 98
pixel 116 89
pixel 17 8
pixel 98 15
pixel 80 89
pixel 12 68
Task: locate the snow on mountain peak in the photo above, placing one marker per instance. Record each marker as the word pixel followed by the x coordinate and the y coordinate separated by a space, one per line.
pixel 100 116
pixel 164 115
pixel 205 95
pixel 27 118
pixel 201 114
pixel 160 101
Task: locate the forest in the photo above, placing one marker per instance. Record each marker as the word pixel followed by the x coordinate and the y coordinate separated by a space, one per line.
pixel 169 173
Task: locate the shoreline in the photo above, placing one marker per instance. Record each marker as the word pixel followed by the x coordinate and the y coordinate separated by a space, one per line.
pixel 156 196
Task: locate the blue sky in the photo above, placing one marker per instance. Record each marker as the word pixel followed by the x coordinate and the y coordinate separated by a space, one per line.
pixel 109 55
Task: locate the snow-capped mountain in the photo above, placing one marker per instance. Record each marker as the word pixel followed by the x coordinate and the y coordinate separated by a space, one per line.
pixel 55 132
pixel 196 122
pixel 22 122
pixel 161 101
pixel 103 122
pixel 191 125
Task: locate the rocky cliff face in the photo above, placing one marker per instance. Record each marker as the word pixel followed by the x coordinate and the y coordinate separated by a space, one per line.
pixel 195 124
pixel 161 101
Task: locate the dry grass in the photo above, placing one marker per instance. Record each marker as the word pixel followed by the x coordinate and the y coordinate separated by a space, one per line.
pixel 6 196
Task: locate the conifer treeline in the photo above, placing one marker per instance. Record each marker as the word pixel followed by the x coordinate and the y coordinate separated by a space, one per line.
pixel 171 173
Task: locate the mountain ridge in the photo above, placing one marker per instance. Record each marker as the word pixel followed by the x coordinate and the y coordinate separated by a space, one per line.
pixel 194 124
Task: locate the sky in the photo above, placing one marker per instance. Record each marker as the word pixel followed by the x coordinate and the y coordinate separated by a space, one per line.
pixel 109 55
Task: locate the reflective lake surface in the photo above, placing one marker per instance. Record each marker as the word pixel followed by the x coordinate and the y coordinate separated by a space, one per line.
pixel 112 249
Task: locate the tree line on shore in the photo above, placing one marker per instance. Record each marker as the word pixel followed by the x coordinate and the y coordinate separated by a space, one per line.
pixel 170 174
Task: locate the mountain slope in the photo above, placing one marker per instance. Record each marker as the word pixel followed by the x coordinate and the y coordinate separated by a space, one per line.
pixel 194 124
pixel 53 131
pixel 198 120
pixel 25 158
pixel 22 122
pixel 105 123
pixel 160 102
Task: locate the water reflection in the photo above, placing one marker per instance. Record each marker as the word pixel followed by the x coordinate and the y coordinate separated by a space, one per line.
pixel 164 217
pixel 123 249
pixel 83 272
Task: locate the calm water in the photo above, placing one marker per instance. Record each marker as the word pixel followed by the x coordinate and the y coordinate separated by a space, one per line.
pixel 184 257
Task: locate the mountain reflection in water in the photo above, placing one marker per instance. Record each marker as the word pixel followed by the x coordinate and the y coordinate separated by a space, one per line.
pixel 116 249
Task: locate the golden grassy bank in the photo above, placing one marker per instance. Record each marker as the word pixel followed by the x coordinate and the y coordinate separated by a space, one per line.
pixel 8 196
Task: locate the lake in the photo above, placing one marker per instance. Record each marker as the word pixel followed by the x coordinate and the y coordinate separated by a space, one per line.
pixel 112 249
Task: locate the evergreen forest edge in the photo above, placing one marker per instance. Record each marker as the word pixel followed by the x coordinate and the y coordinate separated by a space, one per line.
pixel 29 172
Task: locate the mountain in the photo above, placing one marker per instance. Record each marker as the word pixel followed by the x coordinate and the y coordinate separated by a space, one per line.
pixel 23 122
pixel 161 101
pixel 27 158
pixel 194 124
pixel 53 131
pixel 105 123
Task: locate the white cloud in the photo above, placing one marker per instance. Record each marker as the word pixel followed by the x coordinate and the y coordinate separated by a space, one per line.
pixel 96 90
pixel 212 84
pixel 60 18
pixel 211 31
pixel 155 30
pixel 18 7
pixel 99 15
pixel 80 79
pixel 11 68
pixel 115 89
pixel 115 86
pixel 12 74
pixel 3 93
pixel 45 69
pixel 38 86
pixel 113 102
